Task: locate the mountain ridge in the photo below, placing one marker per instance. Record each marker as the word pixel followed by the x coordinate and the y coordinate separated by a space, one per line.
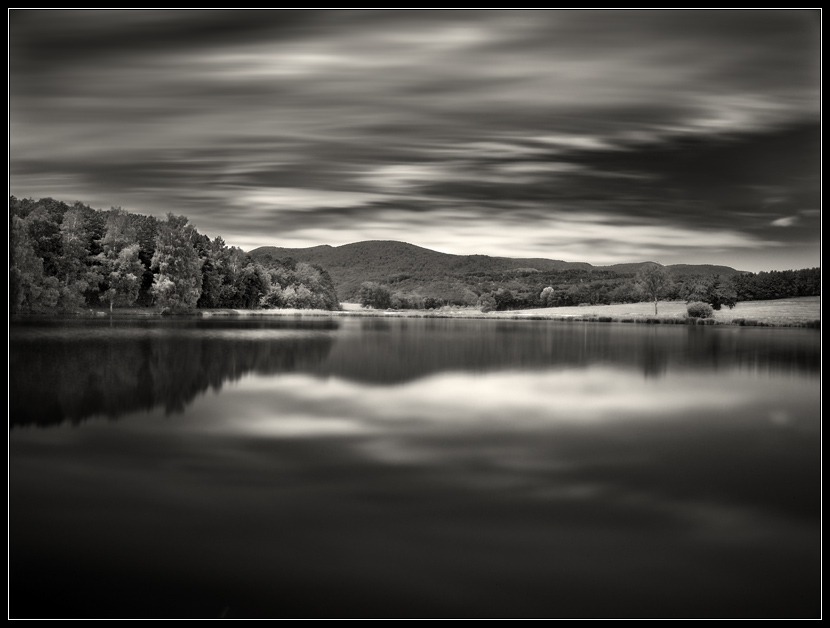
pixel 393 261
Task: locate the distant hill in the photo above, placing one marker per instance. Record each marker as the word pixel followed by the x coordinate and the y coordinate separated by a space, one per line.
pixel 703 269
pixel 418 270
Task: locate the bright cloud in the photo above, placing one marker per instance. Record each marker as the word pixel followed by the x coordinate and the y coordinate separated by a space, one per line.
pixel 786 221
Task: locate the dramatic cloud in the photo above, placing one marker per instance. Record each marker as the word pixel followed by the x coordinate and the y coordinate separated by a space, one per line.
pixel 787 221
pixel 599 136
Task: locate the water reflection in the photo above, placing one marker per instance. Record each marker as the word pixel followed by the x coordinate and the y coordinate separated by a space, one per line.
pixel 416 469
pixel 403 350
pixel 87 368
pixel 84 369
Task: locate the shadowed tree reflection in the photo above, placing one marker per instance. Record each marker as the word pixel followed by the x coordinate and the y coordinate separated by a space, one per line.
pixel 87 371
pixel 76 369
pixel 398 351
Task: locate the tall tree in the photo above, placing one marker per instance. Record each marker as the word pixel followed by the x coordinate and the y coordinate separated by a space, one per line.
pixel 45 236
pixel 211 278
pixel 178 284
pixel 653 280
pixel 30 291
pixel 73 268
pixel 122 268
pixel 375 295
pixel 146 228
pixel 253 283
pixel 712 290
pixel 547 297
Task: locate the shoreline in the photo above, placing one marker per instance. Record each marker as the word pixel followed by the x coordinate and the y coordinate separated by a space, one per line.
pixel 802 312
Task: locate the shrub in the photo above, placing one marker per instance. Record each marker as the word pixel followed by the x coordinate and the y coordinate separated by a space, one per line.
pixel 400 302
pixel 375 295
pixel 487 303
pixel 699 309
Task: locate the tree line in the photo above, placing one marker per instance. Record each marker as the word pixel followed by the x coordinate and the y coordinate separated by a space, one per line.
pixel 64 258
pixel 511 290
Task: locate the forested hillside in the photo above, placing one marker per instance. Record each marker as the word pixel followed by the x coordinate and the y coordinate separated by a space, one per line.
pixel 397 274
pixel 352 264
pixel 64 258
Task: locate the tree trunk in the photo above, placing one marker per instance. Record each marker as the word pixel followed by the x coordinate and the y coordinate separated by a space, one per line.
pixel 655 307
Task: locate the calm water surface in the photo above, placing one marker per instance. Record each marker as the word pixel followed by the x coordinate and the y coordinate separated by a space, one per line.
pixel 349 468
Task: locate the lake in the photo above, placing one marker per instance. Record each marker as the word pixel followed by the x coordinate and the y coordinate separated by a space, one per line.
pixel 370 467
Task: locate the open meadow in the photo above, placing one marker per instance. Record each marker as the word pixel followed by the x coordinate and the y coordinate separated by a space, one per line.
pixel 776 312
pixel 780 312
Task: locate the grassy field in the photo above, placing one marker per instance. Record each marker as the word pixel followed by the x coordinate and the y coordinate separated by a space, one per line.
pixel 797 312
pixel 782 312
pixel 777 312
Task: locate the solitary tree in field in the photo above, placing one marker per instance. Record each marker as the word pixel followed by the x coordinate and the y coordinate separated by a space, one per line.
pixel 653 280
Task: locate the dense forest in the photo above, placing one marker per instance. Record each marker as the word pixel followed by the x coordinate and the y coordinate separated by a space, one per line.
pixel 64 258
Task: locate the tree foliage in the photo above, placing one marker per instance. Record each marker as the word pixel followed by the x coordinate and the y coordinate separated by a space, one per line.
pixel 778 284
pixel 30 290
pixel 486 303
pixel 121 267
pixel 712 290
pixel 63 257
pixel 178 284
pixel 653 281
pixel 375 295
pixel 547 297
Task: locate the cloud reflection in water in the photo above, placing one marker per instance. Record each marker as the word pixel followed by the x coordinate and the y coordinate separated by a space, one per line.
pixel 501 400
pixel 559 487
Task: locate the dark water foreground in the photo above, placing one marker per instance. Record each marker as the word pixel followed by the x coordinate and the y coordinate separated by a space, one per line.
pixel 348 468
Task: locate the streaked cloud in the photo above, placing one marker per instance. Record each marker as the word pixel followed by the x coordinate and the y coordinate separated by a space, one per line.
pixel 269 127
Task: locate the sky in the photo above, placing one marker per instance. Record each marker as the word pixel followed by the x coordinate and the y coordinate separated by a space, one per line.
pixel 593 136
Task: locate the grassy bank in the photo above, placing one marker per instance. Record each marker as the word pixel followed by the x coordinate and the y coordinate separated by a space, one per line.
pixel 796 312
